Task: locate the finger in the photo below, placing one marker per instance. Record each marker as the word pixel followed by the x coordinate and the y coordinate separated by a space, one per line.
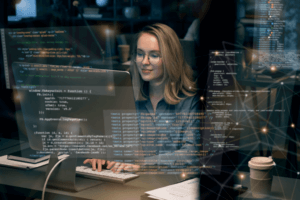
pixel 136 167
pixel 103 162
pixel 94 164
pixel 99 162
pixel 87 161
pixel 116 166
pixel 128 168
pixel 120 168
pixel 110 164
pixel 132 168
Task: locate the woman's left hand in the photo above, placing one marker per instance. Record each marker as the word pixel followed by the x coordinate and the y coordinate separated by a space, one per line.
pixel 117 167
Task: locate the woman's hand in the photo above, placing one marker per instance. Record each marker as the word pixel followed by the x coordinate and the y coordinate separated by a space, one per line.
pixel 95 162
pixel 117 167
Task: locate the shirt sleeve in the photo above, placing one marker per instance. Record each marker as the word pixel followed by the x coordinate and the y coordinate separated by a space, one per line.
pixel 187 154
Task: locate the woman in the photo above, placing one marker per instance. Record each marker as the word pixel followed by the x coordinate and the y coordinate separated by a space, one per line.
pixel 164 90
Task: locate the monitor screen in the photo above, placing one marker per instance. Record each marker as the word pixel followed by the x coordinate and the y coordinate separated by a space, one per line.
pixel 45 69
pixel 23 9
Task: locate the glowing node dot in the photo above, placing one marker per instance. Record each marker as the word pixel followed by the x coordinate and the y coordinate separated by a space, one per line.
pixel 216 53
pixel 167 121
pixel 298 173
pixel 264 130
pixel 246 95
pixel 190 87
pixel 237 123
pixel 242 176
pixel 293 125
pixel 219 145
pixel 201 98
pixel 273 68
pixel 110 88
pixel 281 83
pixel 203 165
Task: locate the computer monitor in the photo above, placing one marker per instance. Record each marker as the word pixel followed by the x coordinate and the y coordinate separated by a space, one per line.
pixel 56 45
pixel 85 114
pixel 40 66
pixel 99 99
pixel 46 55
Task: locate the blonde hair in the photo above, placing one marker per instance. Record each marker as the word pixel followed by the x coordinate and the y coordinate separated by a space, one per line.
pixel 178 75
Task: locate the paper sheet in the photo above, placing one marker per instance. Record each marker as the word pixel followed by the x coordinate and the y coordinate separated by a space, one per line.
pixel 187 190
pixel 153 197
pixel 23 165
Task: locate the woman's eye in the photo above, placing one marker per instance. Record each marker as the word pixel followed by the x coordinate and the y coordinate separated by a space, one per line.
pixel 154 56
pixel 139 54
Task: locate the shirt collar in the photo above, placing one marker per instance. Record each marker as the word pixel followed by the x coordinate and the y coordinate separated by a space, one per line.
pixel 162 104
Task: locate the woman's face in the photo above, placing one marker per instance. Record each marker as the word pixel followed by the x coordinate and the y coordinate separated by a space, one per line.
pixel 148 45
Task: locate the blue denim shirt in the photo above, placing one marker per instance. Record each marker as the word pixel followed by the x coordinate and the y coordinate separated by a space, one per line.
pixel 172 134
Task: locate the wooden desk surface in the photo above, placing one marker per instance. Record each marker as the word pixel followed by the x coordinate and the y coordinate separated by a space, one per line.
pixel 282 188
pixel 30 183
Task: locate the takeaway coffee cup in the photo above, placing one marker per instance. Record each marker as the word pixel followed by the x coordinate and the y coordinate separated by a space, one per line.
pixel 261 176
pixel 124 52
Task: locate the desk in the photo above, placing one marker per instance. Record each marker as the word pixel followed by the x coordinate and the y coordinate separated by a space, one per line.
pixel 282 188
pixel 30 184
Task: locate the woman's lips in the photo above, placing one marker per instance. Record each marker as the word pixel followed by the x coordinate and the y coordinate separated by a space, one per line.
pixel 146 71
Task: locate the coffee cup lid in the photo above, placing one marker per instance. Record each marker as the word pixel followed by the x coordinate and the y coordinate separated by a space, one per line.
pixel 261 163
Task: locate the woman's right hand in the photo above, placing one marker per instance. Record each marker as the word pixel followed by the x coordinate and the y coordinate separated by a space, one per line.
pixel 95 162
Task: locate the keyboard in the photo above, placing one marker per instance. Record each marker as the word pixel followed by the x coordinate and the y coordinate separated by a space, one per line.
pixel 105 175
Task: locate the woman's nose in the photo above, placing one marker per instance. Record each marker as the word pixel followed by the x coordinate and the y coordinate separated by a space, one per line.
pixel 146 60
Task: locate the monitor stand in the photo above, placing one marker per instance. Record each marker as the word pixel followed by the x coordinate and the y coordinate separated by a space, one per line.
pixel 64 176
